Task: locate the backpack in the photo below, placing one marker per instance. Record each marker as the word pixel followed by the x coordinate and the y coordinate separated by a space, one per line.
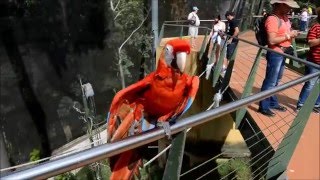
pixel 260 30
pixel 193 19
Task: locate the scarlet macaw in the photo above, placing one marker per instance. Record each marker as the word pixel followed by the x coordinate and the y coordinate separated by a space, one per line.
pixel 160 97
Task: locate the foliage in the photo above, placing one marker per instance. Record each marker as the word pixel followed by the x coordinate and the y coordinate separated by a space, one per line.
pixel 34 155
pixel 128 16
pixel 88 172
pixel 238 167
pixel 152 171
pixel 65 176
pixel 307 3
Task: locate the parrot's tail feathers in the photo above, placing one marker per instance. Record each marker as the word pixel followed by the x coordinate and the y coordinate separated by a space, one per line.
pixel 122 130
pixel 125 166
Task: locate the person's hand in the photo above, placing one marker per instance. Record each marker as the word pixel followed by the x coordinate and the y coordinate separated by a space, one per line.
pixel 229 41
pixel 294 34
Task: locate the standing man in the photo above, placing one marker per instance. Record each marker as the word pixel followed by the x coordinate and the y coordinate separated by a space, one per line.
pixel 313 38
pixel 194 22
pixel 279 34
pixel 233 32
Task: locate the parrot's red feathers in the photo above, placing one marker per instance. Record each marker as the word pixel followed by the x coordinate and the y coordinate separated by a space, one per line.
pixel 163 95
pixel 179 45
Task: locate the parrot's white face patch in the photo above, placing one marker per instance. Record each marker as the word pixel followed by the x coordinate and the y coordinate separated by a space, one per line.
pixel 181 60
pixel 169 56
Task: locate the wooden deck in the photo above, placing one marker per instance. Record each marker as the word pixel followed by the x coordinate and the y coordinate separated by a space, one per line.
pixel 305 161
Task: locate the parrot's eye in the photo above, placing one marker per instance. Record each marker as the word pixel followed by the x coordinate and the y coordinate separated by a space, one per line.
pixel 169 54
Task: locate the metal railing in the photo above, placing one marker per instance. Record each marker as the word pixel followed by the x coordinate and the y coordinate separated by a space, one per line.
pixel 86 157
pixel 74 161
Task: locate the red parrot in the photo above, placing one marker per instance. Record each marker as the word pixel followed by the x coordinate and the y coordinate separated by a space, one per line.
pixel 161 97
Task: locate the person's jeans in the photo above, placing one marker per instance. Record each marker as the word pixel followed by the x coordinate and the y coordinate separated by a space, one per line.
pixel 303 25
pixel 274 72
pixel 230 49
pixel 307 87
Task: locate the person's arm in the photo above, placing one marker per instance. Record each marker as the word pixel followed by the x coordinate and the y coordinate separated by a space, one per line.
pixel 274 39
pixel 314 42
pixel 235 34
pixel 313 39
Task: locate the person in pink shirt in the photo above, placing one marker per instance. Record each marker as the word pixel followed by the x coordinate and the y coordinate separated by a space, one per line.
pixel 279 34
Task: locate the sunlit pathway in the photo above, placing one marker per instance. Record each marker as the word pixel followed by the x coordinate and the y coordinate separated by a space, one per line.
pixel 305 161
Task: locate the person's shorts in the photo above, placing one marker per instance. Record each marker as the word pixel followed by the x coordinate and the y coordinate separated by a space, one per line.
pixel 193 31
pixel 216 38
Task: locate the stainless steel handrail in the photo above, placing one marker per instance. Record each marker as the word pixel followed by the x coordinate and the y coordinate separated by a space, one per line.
pixel 104 151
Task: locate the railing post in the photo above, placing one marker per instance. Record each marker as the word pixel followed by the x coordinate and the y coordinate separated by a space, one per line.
pixel 213 54
pixel 248 87
pixel 204 43
pixel 161 35
pixel 227 76
pixel 282 156
pixel 294 45
pixel 181 32
pixel 219 64
pixel 174 162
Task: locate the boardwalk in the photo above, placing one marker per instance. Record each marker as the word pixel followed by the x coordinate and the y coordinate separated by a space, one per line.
pixel 305 161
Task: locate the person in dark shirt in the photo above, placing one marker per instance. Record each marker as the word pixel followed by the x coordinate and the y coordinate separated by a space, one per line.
pixel 232 31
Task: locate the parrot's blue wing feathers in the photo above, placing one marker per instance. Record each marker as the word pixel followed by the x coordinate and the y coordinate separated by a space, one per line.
pixel 189 103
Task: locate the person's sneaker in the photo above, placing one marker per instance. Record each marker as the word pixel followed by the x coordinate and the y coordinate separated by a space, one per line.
pixel 298 108
pixel 223 70
pixel 266 112
pixel 316 110
pixel 280 108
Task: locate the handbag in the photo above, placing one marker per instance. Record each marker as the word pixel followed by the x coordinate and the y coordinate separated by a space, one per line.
pixel 192 21
pixel 288 50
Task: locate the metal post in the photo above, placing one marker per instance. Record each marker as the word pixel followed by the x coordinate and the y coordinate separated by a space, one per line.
pixel 4 156
pixel 154 10
pixel 280 160
pixel 248 87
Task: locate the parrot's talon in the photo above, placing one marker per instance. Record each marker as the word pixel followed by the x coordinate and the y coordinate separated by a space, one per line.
pixel 166 128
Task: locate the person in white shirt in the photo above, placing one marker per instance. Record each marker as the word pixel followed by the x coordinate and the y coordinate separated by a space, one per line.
pixel 303 20
pixel 217 34
pixel 194 22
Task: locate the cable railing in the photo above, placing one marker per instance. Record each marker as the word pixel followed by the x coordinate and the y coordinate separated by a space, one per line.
pixel 74 161
pixel 101 152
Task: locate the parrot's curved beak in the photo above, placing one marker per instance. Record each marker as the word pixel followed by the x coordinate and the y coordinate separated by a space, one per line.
pixel 181 60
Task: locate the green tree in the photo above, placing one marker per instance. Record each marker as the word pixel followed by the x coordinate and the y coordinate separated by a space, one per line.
pixel 129 32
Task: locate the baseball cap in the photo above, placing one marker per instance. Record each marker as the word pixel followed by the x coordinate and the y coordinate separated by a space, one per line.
pixel 290 3
pixel 194 8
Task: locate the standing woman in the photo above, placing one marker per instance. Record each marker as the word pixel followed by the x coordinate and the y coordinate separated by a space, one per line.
pixel 217 34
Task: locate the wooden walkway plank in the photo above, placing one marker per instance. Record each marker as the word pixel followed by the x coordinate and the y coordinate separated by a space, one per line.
pixel 305 161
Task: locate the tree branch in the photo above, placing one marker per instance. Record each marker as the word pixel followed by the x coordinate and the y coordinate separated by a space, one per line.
pixel 118 14
pixel 117 5
pixel 119 50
